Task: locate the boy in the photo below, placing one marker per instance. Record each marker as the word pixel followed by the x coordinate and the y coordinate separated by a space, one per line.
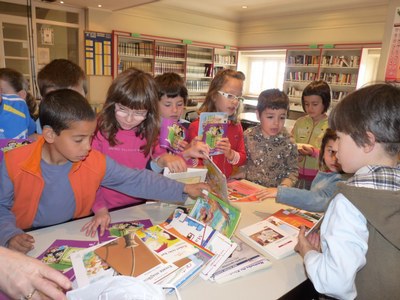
pixel 56 178
pixel 360 236
pixel 271 156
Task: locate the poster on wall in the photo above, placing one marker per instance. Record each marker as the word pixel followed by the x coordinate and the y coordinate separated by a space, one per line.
pixel 393 63
pixel 98 53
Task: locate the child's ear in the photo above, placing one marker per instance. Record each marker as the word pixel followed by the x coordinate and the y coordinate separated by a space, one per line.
pixel 371 144
pixel 48 134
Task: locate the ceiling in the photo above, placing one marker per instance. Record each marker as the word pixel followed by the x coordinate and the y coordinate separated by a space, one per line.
pixel 230 10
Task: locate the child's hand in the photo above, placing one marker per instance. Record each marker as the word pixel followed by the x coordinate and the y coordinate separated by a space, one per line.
pixel 195 190
pixel 196 149
pixel 308 243
pixel 174 163
pixel 101 218
pixel 224 146
pixel 266 193
pixel 22 242
pixel 306 150
pixel 180 145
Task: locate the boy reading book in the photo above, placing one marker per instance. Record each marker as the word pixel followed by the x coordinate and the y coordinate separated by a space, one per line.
pixel 358 254
pixel 56 178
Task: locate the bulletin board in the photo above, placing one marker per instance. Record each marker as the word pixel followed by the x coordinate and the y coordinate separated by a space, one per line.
pixel 98 53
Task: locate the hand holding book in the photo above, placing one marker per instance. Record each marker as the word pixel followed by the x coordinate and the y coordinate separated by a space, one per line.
pixel 307 243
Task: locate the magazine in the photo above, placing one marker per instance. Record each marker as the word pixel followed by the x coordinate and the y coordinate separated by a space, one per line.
pixel 212 127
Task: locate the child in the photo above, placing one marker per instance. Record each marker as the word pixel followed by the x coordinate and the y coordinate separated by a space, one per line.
pixel 56 178
pixel 315 99
pixel 323 186
pixel 271 156
pixel 225 95
pixel 127 132
pixel 60 74
pixel 15 119
pixel 172 100
pixel 358 251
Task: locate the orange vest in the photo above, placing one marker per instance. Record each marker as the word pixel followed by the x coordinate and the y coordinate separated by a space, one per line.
pixel 23 167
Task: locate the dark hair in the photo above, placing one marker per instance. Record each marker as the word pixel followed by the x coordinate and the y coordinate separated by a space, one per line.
pixel 318 88
pixel 216 84
pixel 272 99
pixel 58 109
pixel 330 135
pixel 60 74
pixel 134 89
pixel 171 84
pixel 375 109
pixel 19 83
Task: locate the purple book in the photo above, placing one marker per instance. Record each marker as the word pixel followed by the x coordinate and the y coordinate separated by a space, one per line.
pixel 171 132
pixel 119 229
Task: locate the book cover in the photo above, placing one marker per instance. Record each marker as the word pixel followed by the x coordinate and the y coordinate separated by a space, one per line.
pixel 9 144
pixel 171 133
pixel 243 191
pixel 212 127
pixel 244 260
pixel 216 213
pixel 57 255
pixel 277 234
pixel 118 229
pixel 216 179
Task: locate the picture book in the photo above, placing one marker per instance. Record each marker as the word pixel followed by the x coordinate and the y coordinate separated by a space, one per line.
pixel 57 255
pixel 216 179
pixel 243 261
pixel 212 127
pixel 9 144
pixel 119 229
pixel 89 267
pixel 171 133
pixel 192 175
pixel 243 191
pixel 277 234
pixel 216 213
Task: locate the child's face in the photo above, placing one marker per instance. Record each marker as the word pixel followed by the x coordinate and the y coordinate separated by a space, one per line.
pixel 129 118
pixel 350 156
pixel 73 144
pixel 171 108
pixel 314 106
pixel 232 86
pixel 330 159
pixel 272 121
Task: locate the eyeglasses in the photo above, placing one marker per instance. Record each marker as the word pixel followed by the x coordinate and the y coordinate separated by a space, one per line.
pixel 124 112
pixel 231 97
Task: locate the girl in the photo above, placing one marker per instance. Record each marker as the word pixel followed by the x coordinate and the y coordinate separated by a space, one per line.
pixel 323 186
pixel 127 132
pixel 225 95
pixel 309 130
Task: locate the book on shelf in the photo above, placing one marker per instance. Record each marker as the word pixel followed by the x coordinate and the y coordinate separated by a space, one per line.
pixel 118 229
pixel 243 261
pixel 171 133
pixel 216 179
pixel 243 191
pixel 212 127
pixel 277 234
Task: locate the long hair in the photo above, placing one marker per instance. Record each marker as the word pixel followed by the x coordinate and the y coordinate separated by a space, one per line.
pixel 134 89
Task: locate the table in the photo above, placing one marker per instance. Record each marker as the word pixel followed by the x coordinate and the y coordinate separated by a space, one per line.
pixel 272 283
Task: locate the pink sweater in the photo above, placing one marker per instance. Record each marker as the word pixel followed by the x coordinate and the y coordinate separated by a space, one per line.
pixel 126 153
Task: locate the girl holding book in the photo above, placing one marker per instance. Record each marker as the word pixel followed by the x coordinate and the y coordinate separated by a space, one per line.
pixel 225 95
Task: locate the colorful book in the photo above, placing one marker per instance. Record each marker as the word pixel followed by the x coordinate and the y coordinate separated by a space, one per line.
pixel 171 133
pixel 277 234
pixel 57 255
pixel 216 179
pixel 119 229
pixel 212 127
pixel 243 191
pixel 216 213
pixel 9 144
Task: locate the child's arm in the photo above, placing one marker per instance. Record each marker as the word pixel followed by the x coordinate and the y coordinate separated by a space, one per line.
pixel 101 218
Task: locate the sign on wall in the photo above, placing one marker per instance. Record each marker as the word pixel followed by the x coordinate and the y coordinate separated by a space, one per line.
pixel 98 53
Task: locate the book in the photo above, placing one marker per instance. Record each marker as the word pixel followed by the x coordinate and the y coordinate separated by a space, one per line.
pixel 212 127
pixel 277 234
pixel 171 133
pixel 243 191
pixel 9 144
pixel 192 175
pixel 243 261
pixel 118 229
pixel 215 212
pixel 216 179
pixel 57 255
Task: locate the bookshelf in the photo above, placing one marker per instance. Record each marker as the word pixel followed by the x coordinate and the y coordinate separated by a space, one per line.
pixel 338 67
pixel 196 62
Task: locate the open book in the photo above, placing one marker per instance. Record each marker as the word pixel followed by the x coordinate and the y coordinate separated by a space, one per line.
pixel 216 179
pixel 212 127
pixel 277 234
